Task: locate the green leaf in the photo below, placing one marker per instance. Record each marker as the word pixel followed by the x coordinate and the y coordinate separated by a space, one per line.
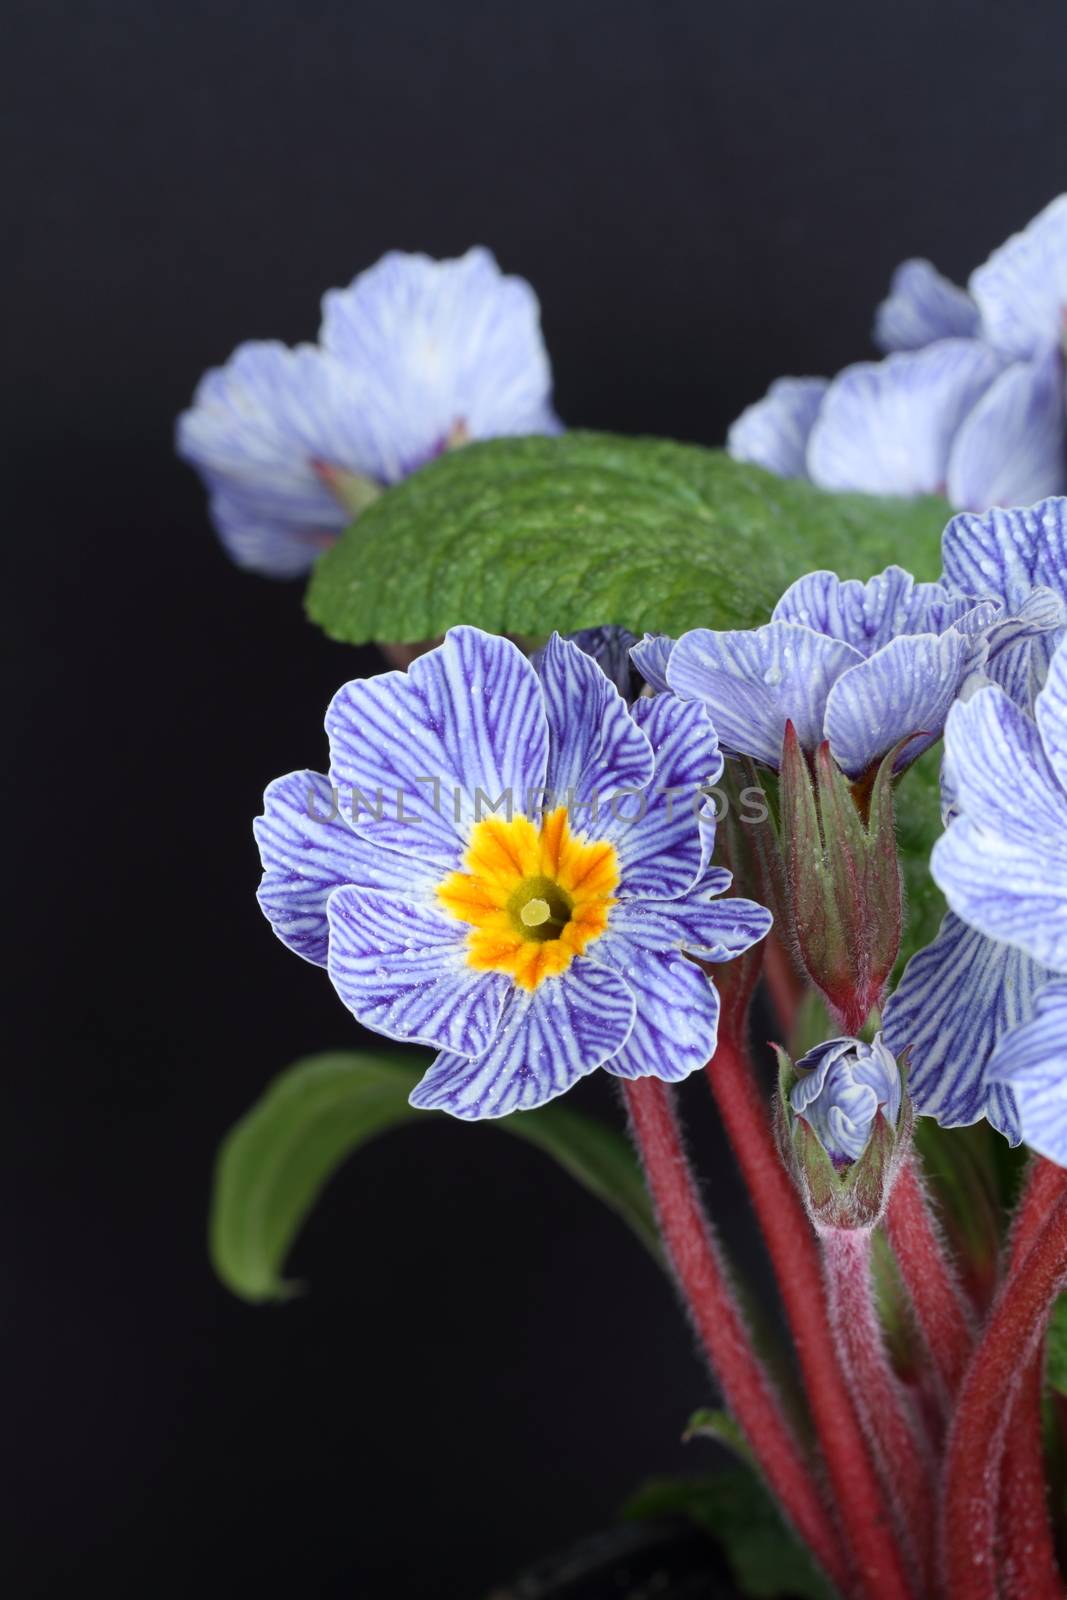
pixel 917 805
pixel 720 1426
pixel 527 535
pixel 736 1510
pixel 274 1163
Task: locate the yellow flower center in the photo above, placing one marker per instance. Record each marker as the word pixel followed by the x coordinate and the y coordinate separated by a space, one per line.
pixel 534 895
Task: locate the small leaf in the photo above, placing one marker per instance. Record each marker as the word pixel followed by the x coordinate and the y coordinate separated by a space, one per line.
pixel 736 1510
pixel 720 1426
pixel 274 1163
pixel 527 535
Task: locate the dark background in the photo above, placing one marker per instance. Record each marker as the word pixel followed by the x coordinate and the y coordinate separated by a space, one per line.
pixel 704 197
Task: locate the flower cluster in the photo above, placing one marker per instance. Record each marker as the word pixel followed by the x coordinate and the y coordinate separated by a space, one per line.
pixel 514 859
pixel 963 994
pixel 414 357
pixel 968 402
pixel 550 917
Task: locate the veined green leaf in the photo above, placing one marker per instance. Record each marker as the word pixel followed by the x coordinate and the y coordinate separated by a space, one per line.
pixel 274 1163
pixel 527 535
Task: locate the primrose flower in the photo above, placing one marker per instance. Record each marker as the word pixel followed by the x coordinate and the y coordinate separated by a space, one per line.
pixel 967 1004
pixel 841 1087
pixel 862 665
pixel 969 402
pixel 415 357
pixel 964 992
pixel 520 874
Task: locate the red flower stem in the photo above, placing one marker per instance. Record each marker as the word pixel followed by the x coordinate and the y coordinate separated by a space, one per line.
pixel 940 1305
pixel 990 1385
pixel 1029 1570
pixel 696 1258
pixel 795 1256
pixel 903 1465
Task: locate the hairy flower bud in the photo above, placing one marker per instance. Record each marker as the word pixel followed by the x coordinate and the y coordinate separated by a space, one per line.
pixel 844 1124
pixel 841 1087
pixel 843 875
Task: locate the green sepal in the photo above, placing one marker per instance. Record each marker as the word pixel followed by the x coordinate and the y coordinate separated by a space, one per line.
pixel 353 490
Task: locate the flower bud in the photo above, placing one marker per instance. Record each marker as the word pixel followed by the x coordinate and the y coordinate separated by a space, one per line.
pixel 841 1086
pixel 843 874
pixel 844 1125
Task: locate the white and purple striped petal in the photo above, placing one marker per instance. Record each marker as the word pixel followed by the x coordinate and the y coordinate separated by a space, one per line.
pixel 887 427
pixel 922 306
pixel 259 431
pixel 464 726
pixel 957 998
pixel 1007 553
pixel 706 922
pixel 755 681
pixel 1000 771
pixel 548 1039
pixel 1003 863
pixel 610 648
pixel 676 1020
pixel 1012 448
pixel 905 688
pixel 1031 1064
pixel 308 850
pixel 664 834
pixel 1050 713
pixel 774 432
pixel 650 656
pixel 595 747
pixel 401 968
pixel 1021 291
pixel 447 349
pixel 868 615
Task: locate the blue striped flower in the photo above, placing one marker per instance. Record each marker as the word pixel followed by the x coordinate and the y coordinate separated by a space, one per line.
pixel 1003 867
pixel 968 403
pixel 862 665
pixel 509 865
pixel 414 357
pixel 965 992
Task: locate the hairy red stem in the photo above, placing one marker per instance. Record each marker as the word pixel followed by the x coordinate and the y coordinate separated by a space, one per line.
pixel 903 1464
pixel 940 1304
pixel 795 1256
pixel 1029 1570
pixel 990 1386
pixel 695 1256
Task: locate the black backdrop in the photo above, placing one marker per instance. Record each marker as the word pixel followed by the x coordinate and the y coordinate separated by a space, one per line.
pixel 704 196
